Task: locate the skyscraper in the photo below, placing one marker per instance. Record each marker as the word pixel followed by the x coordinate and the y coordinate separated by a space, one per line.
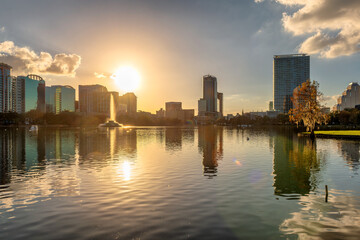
pixel 28 93
pixel 290 71
pixel 210 93
pixel 208 105
pixel 5 87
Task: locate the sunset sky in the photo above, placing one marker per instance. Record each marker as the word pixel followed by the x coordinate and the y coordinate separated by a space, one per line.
pixel 172 44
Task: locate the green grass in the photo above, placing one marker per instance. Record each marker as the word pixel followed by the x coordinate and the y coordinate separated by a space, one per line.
pixel 338 133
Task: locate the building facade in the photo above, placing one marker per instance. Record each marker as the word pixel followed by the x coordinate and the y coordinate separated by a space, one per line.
pixel 174 110
pixel 201 107
pixel 60 99
pixel 210 92
pixel 289 72
pixel 209 109
pixel 26 93
pixel 5 87
pixel 88 97
pixel 130 100
pixel 349 98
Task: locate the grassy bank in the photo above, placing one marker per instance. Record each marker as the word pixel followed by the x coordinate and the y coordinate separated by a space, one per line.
pixel 338 134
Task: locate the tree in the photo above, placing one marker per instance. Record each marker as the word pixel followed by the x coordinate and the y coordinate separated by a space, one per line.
pixel 306 106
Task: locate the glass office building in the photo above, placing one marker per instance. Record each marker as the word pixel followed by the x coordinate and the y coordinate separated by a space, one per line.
pixel 60 99
pixel 290 71
pixel 29 93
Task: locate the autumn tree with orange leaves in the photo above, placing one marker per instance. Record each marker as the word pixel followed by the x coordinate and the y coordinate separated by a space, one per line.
pixel 307 108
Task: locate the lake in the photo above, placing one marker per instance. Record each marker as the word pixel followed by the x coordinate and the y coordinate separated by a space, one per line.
pixel 177 183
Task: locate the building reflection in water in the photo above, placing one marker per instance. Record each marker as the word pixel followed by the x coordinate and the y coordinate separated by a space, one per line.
pixel 21 150
pixel 296 164
pixel 350 151
pixel 176 137
pixel 173 139
pixel 108 144
pixel 12 152
pixel 211 146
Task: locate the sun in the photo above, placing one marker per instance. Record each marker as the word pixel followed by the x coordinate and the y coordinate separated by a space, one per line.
pixel 127 78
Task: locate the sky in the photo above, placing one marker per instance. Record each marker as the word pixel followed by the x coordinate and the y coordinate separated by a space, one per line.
pixel 172 44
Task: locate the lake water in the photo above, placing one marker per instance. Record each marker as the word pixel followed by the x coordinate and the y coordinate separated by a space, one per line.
pixel 177 183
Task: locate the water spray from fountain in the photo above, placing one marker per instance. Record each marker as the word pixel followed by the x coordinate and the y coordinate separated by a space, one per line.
pixel 112 120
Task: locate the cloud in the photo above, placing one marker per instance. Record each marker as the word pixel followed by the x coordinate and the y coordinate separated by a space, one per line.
pixel 330 100
pixel 99 75
pixel 24 60
pixel 333 26
pixel 2 29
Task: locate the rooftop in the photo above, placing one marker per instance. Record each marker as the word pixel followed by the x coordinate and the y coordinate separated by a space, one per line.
pixel 290 55
pixel 5 65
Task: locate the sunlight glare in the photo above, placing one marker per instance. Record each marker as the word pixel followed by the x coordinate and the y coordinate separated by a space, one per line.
pixel 127 78
pixel 126 170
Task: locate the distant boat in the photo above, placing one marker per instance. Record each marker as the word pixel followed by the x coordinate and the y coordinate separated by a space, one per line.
pixel 34 128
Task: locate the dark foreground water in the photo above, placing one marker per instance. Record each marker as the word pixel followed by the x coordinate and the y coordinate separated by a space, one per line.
pixel 177 183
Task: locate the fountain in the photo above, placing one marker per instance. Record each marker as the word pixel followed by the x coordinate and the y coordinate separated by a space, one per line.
pixel 111 122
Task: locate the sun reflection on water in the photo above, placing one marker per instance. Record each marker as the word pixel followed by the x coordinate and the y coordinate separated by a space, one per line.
pixel 126 170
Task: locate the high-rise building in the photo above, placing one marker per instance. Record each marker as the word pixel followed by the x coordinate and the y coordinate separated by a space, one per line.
pixel 17 95
pixel 290 71
pixel 208 104
pixel 130 100
pixel 210 93
pixel 349 98
pixel 5 87
pixel 60 99
pixel 88 97
pixel 28 94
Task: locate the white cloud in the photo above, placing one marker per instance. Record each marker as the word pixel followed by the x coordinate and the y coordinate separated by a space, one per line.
pixel 2 29
pixel 99 75
pixel 330 100
pixel 25 60
pixel 334 26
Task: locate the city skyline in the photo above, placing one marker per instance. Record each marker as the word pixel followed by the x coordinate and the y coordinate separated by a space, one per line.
pixel 234 44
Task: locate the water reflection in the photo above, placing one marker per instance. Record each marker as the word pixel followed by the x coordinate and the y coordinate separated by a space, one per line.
pixel 22 151
pixel 337 219
pixel 211 146
pixel 296 164
pixel 88 182
pixel 350 150
pixel 107 145
pixel 12 153
pixel 173 139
